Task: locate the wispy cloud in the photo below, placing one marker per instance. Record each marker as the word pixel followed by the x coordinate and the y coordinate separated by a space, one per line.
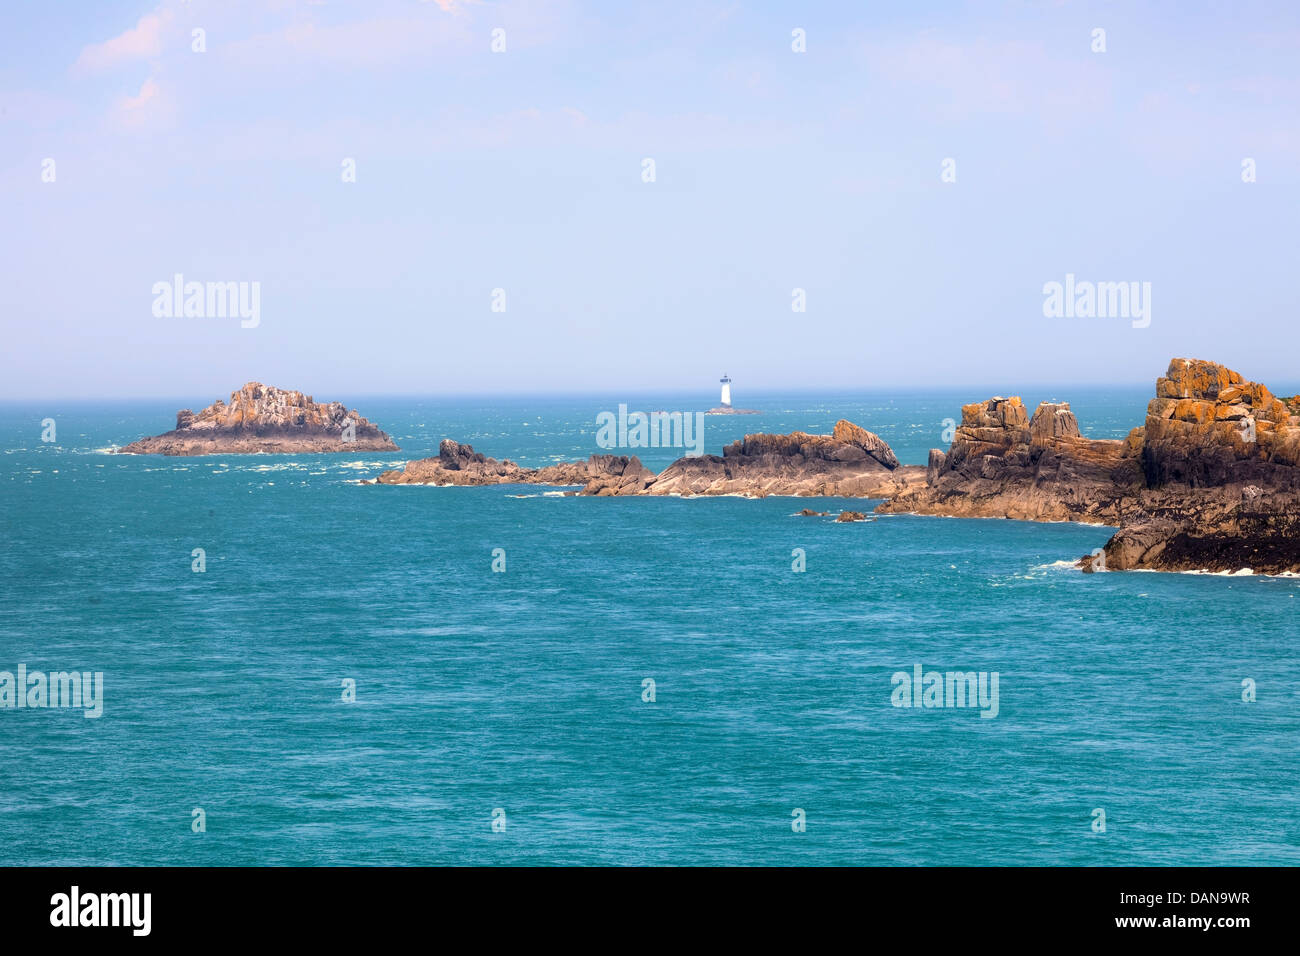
pixel 141 42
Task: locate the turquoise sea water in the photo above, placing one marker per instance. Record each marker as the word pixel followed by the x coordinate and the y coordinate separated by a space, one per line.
pixel 523 690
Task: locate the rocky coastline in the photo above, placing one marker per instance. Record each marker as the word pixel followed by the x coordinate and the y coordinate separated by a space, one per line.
pixel 268 420
pixel 1209 482
pixel 460 464
pixel 850 462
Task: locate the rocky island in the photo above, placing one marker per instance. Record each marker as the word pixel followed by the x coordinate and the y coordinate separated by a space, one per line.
pixel 851 461
pixel 459 464
pixel 262 418
pixel 1209 482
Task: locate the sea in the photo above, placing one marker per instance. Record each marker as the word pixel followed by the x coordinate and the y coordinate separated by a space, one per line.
pixel 302 668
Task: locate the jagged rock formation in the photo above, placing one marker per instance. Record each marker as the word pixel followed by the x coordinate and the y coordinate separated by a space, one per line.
pixel 1004 464
pixel 1219 456
pixel 1210 481
pixel 851 462
pixel 1208 427
pixel 459 464
pixel 262 418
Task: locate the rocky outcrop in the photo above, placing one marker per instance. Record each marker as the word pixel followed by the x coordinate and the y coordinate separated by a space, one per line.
pixel 1218 534
pixel 851 461
pixel 1220 461
pixel 262 418
pixel 1207 427
pixel 459 464
pixel 1209 482
pixel 1004 464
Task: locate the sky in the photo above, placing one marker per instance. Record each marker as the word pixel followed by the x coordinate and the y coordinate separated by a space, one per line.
pixel 921 171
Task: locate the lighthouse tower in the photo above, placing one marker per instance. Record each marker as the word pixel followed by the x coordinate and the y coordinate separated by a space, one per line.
pixel 726 391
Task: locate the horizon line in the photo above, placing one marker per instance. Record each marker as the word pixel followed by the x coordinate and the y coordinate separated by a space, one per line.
pixel 754 393
pixel 750 394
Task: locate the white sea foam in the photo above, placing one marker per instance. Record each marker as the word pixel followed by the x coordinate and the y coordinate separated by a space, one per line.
pixel 365 464
pixel 424 484
pixel 1056 566
pixel 1205 572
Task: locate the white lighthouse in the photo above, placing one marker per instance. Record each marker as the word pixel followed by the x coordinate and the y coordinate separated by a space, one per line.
pixel 725 408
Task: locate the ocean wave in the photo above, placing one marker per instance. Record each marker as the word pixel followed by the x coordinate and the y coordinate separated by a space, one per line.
pixel 1062 565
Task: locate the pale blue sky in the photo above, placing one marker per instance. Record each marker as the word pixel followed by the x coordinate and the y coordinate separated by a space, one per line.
pixel 522 170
